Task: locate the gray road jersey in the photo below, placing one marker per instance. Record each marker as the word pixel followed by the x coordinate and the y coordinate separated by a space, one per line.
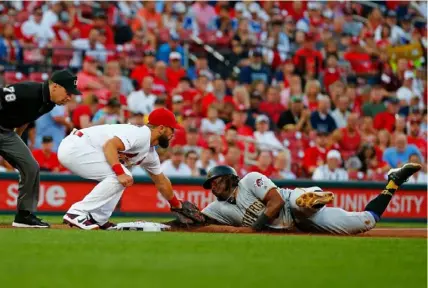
pixel 252 190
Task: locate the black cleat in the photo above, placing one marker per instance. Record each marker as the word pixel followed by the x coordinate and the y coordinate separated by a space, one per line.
pixel 401 175
pixel 29 221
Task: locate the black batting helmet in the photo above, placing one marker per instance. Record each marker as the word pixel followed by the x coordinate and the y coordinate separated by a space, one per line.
pixel 218 171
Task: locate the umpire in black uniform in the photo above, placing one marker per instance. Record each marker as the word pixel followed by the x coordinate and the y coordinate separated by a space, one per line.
pixel 21 104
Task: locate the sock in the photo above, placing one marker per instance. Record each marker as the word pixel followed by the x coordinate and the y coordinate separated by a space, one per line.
pixel 379 204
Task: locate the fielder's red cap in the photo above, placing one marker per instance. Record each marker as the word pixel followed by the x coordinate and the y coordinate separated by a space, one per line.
pixel 164 117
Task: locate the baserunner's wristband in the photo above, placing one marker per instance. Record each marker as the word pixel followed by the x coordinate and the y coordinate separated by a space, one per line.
pixel 261 222
pixel 117 169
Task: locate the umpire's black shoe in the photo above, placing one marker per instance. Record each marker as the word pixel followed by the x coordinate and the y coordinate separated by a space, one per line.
pixel 29 221
pixel 401 175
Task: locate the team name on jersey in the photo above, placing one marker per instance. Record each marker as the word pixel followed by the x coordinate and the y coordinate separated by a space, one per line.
pixel 252 213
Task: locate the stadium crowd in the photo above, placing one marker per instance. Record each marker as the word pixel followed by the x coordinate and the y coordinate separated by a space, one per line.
pixel 321 90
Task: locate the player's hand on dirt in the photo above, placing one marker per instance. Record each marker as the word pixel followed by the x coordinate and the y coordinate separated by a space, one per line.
pixel 125 180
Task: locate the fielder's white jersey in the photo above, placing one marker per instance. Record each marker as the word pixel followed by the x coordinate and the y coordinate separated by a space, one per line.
pixel 252 189
pixel 136 140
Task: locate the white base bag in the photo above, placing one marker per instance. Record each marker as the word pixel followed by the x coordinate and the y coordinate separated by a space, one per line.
pixel 142 226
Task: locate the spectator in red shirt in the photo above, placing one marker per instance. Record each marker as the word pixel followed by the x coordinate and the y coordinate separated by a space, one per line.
pixel 239 117
pixel 82 115
pixel 114 92
pixel 272 106
pixel 217 97
pixel 367 131
pixel 308 61
pixel 332 73
pixel 233 159
pixel 160 81
pixel 193 141
pixel 386 119
pixel 174 72
pixel 230 139
pixel 349 138
pixel 89 82
pixel 360 60
pixel 147 68
pixel 47 159
pixel 139 47
pixel 63 28
pixel 415 138
pixel 312 93
pixel 264 164
pixel 355 102
pixel 100 22
pixel 185 89
pixel 316 156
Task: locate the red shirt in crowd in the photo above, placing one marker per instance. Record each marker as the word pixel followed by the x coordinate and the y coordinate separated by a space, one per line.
pixel 274 110
pixel 269 172
pixel 85 29
pixel 331 75
pixel 103 100
pixel 361 63
pixel 160 86
pixel 140 72
pixel 174 76
pixel 418 142
pixel 47 162
pixel 189 96
pixel 80 111
pixel 384 120
pixel 243 130
pixel 308 59
pixel 349 144
pixel 314 157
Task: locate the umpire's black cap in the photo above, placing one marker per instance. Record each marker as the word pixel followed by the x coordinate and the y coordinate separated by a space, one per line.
pixel 67 80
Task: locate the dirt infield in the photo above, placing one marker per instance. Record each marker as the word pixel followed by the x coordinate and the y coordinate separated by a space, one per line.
pixel 377 232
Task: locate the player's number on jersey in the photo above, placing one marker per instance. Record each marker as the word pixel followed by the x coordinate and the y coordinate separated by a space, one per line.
pixel 9 94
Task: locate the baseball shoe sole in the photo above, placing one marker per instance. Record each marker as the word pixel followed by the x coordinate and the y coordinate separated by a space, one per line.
pixel 21 225
pixel 83 222
pixel 314 200
pixel 402 174
pixel 29 221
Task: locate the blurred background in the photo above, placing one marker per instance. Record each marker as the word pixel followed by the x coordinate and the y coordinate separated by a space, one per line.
pixel 321 90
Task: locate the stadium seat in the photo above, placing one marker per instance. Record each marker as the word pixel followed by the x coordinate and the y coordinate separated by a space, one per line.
pixel 11 77
pixel 61 55
pixel 39 76
pixel 356 175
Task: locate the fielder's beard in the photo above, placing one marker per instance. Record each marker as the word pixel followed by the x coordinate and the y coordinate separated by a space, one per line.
pixel 163 141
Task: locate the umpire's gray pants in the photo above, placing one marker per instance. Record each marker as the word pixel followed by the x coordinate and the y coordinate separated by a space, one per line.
pixel 14 150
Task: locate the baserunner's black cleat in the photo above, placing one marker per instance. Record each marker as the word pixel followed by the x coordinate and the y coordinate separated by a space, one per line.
pixel 401 175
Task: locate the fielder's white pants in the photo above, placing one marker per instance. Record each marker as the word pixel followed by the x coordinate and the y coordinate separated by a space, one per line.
pixel 79 156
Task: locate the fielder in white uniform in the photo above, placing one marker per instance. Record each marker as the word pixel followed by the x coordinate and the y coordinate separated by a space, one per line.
pixel 106 153
pixel 256 202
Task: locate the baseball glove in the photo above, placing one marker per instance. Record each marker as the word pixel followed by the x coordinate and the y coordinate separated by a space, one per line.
pixel 188 214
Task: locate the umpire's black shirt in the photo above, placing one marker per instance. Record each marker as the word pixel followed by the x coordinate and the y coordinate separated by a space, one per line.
pixel 24 102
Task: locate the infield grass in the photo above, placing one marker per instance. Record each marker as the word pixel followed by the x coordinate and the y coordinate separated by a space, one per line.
pixel 78 259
